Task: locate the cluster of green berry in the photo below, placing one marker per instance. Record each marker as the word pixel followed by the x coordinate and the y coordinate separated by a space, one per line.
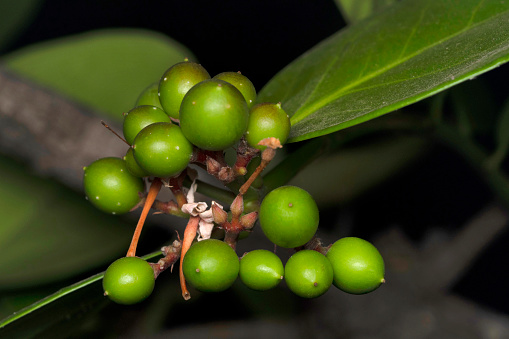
pixel 289 218
pixel 189 117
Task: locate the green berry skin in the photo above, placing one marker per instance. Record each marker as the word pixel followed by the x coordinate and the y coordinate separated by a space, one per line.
pixel 176 82
pixel 261 270
pixel 128 280
pixel 132 165
pixel 267 120
pixel 140 117
pixel 211 265
pixel 289 216
pixel 242 83
pixel 110 186
pixel 358 266
pixel 213 115
pixel 308 274
pixel 150 96
pixel 162 150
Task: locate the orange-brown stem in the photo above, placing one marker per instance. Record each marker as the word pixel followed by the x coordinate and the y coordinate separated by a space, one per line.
pixel 189 235
pixel 155 187
pixel 243 189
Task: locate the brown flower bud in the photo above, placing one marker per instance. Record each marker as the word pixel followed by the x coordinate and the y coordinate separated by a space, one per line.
pixel 248 220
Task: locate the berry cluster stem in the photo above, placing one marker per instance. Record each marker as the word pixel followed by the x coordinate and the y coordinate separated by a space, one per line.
pixel 155 187
pixel 189 235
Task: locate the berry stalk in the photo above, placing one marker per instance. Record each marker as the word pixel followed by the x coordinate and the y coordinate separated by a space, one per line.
pixel 155 187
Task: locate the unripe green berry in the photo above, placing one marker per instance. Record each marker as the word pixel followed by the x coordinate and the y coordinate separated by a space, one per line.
pixel 150 96
pixel 132 165
pixel 289 216
pixel 176 82
pixel 358 266
pixel 261 270
pixel 140 117
pixel 308 274
pixel 267 120
pixel 211 265
pixel 162 150
pixel 242 83
pixel 213 115
pixel 110 186
pixel 128 280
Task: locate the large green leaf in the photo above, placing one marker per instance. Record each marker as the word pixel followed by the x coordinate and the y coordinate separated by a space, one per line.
pixel 106 69
pixel 411 51
pixel 49 232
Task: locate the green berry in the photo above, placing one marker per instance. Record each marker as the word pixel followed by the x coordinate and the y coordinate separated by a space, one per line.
pixel 150 96
pixel 242 83
pixel 128 280
pixel 211 265
pixel 308 274
pixel 267 120
pixel 176 82
pixel 132 165
pixel 162 150
pixel 110 187
pixel 261 270
pixel 140 117
pixel 289 216
pixel 213 115
pixel 357 264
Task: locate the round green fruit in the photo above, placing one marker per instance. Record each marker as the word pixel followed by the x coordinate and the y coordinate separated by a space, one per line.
pixel 242 83
pixel 140 117
pixel 358 266
pixel 261 270
pixel 213 115
pixel 176 82
pixel 289 216
pixel 132 165
pixel 308 274
pixel 267 120
pixel 162 150
pixel 128 280
pixel 150 96
pixel 211 265
pixel 110 186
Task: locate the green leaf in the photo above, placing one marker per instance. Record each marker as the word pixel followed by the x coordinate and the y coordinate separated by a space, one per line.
pixel 106 69
pixel 14 16
pixel 49 232
pixel 355 10
pixel 411 51
pixel 50 314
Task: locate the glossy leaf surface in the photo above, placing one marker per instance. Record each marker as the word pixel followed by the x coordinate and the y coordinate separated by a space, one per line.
pixel 409 52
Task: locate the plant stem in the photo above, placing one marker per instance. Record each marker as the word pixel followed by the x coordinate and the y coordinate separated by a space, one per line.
pixel 189 235
pixel 155 187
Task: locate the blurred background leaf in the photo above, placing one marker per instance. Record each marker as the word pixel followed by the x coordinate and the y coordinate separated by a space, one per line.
pixel 50 232
pixel 105 69
pixel 355 10
pixel 14 17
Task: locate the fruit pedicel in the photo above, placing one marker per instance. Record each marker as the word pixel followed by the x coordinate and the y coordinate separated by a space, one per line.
pixel 190 118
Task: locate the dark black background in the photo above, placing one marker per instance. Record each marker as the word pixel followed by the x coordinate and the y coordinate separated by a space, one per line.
pixel 261 37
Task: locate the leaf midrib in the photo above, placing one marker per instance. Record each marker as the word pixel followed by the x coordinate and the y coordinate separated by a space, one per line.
pixel 302 114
